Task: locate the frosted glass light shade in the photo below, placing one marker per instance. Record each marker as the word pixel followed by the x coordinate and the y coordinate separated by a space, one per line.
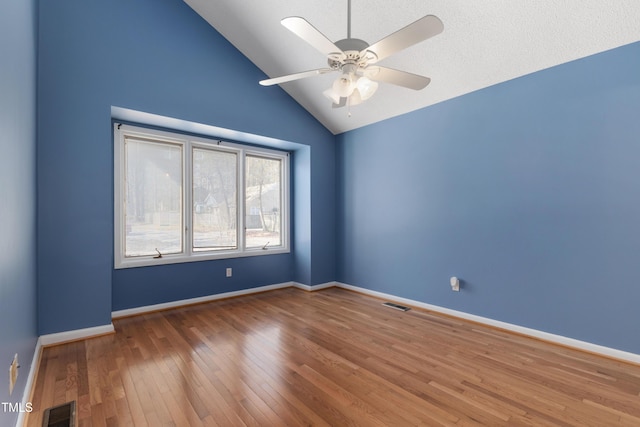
pixel 355 98
pixel 366 87
pixel 332 95
pixel 343 85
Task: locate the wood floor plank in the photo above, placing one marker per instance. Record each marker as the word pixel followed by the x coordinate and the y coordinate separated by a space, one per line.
pixel 327 358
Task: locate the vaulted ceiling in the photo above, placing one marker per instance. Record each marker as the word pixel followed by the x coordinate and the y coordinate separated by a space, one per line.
pixel 484 42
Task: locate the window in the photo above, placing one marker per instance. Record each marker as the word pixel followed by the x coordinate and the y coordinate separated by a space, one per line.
pixel 180 198
pixel 263 199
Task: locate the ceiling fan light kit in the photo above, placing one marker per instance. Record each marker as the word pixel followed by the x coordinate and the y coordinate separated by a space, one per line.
pixel 354 59
pixel 366 87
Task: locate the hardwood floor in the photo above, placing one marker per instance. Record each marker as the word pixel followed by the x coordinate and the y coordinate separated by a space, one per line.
pixel 327 358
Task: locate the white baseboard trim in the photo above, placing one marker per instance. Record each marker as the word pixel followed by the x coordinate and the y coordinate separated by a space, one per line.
pixel 190 301
pixel 31 377
pixel 75 335
pixel 534 333
pixel 314 287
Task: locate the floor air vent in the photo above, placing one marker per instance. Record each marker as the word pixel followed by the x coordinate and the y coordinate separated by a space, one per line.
pixel 396 306
pixel 60 416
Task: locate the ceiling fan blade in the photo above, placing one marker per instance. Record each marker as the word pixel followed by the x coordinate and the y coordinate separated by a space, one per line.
pixel 397 77
pixel 416 32
pixel 307 32
pixel 296 76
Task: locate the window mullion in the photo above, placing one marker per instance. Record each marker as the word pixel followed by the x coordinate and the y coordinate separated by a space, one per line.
pixel 187 209
pixel 242 230
pixel 284 201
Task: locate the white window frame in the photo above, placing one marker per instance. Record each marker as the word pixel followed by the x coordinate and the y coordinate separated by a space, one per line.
pixel 121 132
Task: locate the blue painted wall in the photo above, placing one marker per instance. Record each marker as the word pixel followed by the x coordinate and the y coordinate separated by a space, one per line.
pixel 526 190
pixel 18 19
pixel 529 191
pixel 160 57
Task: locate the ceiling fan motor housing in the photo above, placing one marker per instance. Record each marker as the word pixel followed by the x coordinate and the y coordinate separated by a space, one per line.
pixel 351 54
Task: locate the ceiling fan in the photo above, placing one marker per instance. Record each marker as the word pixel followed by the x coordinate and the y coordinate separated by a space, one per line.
pixel 354 59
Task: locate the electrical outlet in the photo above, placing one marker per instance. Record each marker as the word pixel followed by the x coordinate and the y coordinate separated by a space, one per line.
pixel 13 373
pixel 455 284
pixel 229 272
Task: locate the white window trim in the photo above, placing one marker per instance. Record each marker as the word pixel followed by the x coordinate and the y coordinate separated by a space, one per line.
pixel 121 131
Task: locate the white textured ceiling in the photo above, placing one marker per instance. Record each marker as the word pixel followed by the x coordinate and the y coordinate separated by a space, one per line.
pixel 484 42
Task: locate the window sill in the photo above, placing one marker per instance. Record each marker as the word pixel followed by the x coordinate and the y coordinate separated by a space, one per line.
pixel 181 259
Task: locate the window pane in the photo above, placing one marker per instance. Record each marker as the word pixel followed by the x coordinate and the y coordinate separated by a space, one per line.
pixel 263 202
pixel 214 200
pixel 153 211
